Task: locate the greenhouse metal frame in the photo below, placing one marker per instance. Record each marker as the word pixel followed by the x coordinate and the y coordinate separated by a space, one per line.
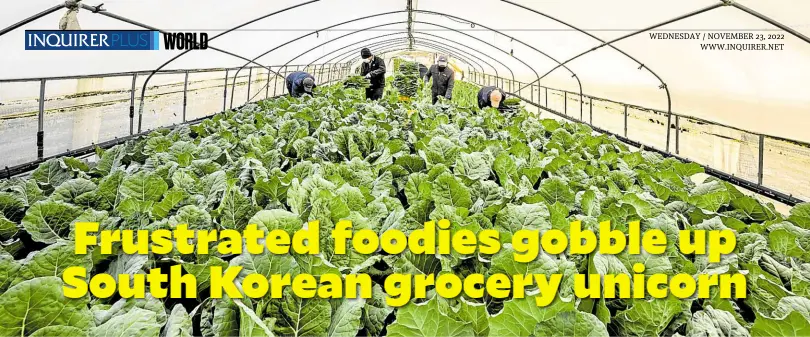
pixel 339 67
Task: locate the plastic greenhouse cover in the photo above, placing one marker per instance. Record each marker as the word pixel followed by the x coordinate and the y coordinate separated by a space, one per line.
pixel 717 85
pixel 737 115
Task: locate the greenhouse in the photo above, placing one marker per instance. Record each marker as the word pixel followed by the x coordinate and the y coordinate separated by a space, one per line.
pixel 489 118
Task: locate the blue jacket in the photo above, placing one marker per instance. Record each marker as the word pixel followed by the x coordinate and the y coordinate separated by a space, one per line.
pixel 483 97
pixel 295 82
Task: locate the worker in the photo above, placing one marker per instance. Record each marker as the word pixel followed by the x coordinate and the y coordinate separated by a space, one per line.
pixel 423 70
pixel 443 79
pixel 491 97
pixel 300 83
pixel 373 69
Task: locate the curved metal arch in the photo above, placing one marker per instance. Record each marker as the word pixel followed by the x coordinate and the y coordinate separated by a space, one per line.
pixel 506 35
pixel 641 65
pixel 442 49
pixel 424 12
pixel 429 44
pixel 396 42
pixel 428 34
pixel 310 34
pixel 345 54
pixel 156 70
pixel 455 51
pixel 594 37
pixel 391 42
pixel 233 86
pixel 433 47
pixel 491 45
pixel 340 37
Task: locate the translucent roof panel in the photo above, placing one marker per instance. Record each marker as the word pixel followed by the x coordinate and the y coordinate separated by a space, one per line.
pixel 765 87
pixel 524 39
pixel 208 16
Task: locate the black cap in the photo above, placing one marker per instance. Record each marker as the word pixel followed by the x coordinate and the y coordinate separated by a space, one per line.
pixel 365 53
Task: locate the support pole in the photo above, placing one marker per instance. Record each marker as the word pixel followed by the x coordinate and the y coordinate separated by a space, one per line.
pixel 625 121
pixel 185 97
pixel 591 110
pixel 132 105
pixel 669 128
pixel 225 92
pixel 267 87
pixel 581 103
pixel 41 121
pixel 761 169
pixel 678 135
pixel 565 102
pixel 250 79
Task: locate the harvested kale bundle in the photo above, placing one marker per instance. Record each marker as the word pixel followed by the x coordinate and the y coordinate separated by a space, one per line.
pixel 356 82
pixel 407 79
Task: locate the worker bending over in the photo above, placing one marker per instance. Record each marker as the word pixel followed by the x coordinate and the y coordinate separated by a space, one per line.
pixel 443 79
pixel 373 69
pixel 300 83
pixel 491 97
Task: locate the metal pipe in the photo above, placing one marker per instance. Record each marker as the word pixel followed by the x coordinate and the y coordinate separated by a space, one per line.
pixel 225 94
pixel 591 111
pixel 565 103
pixel 229 31
pixel 41 121
pixel 393 42
pixel 349 34
pixel 250 79
pixel 146 82
pixel 31 18
pixel 681 17
pixel 422 33
pixel 132 105
pixel 761 167
pixel 117 74
pixel 584 32
pixel 447 49
pixel 267 87
pixel 758 188
pixel 418 11
pixel 185 97
pixel 769 20
pixel 625 121
pixel 677 135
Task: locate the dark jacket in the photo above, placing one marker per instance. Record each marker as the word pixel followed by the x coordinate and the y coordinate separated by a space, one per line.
pixel 443 81
pixel 423 70
pixel 295 83
pixel 377 70
pixel 483 97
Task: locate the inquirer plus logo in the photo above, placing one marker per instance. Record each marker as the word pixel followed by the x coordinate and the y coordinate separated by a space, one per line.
pixel 112 40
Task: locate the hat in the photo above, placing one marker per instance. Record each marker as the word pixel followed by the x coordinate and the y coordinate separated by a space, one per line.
pixel 496 95
pixel 365 53
pixel 443 58
pixel 308 83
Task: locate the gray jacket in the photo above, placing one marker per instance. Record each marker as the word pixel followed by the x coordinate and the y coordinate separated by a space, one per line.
pixel 443 81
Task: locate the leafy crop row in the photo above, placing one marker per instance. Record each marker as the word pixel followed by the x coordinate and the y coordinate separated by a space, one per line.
pixel 287 161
